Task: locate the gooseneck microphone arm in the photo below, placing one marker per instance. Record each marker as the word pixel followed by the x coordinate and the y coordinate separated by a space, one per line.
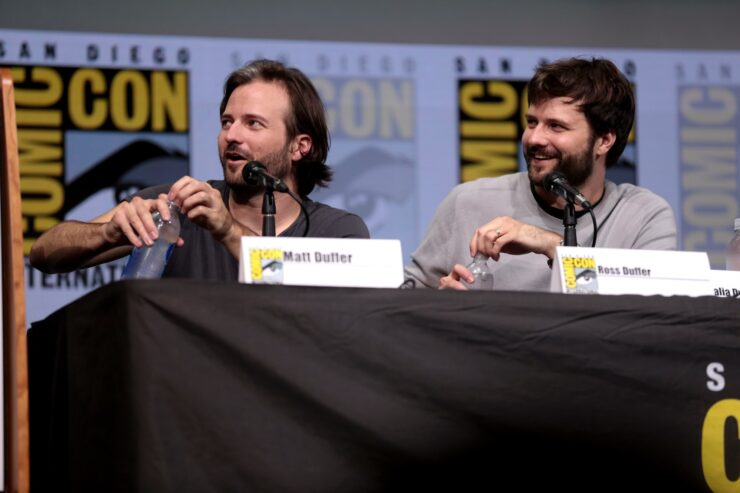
pixel 569 225
pixel 255 173
pixel 268 212
pixel 557 184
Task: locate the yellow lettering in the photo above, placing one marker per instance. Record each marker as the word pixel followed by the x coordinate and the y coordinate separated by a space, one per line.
pixel 48 95
pixel 87 84
pixel 488 129
pixel 51 192
pixel 713 446
pixel 709 135
pixel 503 108
pixel 489 158
pixel 357 103
pixel 38 118
pixel 714 167
pixel 709 209
pixel 328 94
pixel 129 90
pixel 396 107
pixel 708 106
pixel 40 152
pixel 491 129
pixel 169 101
pixel 255 264
pixel 584 263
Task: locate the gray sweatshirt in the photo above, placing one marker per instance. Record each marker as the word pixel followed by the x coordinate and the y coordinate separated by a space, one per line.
pixel 627 216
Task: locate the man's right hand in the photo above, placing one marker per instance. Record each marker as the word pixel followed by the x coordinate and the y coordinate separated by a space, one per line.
pixel 455 279
pixel 131 222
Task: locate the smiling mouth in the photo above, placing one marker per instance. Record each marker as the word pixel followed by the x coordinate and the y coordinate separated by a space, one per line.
pixel 541 157
pixel 539 154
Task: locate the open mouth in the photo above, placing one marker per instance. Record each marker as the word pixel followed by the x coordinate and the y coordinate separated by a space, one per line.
pixel 235 158
pixel 539 158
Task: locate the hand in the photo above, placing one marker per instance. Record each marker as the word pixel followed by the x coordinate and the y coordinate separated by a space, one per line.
pixel 455 278
pixel 132 221
pixel 203 205
pixel 507 235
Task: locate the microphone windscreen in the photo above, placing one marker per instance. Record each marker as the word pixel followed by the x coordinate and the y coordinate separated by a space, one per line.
pixel 551 180
pixel 251 172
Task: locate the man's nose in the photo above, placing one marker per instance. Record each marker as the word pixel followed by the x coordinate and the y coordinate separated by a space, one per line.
pixel 535 135
pixel 233 133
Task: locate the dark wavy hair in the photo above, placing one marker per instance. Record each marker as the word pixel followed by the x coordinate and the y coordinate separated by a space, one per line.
pixel 602 92
pixel 307 116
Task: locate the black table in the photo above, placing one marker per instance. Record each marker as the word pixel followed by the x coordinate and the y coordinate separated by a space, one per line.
pixel 197 386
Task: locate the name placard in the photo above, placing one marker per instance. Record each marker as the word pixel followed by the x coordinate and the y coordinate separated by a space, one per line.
pixel 346 262
pixel 625 271
pixel 726 283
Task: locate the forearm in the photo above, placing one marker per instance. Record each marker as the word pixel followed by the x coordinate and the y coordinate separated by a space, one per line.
pixel 73 245
pixel 545 242
pixel 232 239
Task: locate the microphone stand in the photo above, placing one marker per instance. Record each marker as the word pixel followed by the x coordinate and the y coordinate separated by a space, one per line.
pixel 268 211
pixel 569 221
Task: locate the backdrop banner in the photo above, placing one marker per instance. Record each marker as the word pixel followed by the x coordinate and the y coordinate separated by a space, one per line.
pixel 103 115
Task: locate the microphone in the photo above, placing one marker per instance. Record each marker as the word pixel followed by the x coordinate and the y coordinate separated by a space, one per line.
pixel 557 184
pixel 255 173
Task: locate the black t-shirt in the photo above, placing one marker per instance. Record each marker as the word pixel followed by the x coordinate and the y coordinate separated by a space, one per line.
pixel 202 257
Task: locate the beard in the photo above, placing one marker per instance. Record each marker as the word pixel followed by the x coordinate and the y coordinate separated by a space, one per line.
pixel 277 163
pixel 577 167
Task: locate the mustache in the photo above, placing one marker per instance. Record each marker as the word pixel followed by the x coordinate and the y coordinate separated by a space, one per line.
pixel 234 149
pixel 531 150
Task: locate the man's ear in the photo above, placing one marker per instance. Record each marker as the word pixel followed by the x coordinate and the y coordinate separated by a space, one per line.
pixel 604 143
pixel 300 146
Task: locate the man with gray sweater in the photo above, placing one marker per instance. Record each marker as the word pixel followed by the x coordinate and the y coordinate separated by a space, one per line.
pixel 579 118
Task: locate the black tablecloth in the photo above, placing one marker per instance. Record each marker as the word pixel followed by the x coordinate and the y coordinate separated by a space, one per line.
pixel 194 386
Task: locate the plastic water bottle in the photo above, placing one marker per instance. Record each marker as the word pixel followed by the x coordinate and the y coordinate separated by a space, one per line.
pixel 733 249
pixel 148 262
pixel 483 275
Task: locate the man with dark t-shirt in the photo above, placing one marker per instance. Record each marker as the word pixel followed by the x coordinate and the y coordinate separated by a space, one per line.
pixel 269 113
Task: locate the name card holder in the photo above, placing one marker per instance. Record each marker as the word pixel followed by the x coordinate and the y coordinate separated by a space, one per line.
pixel 625 271
pixel 343 262
pixel 726 283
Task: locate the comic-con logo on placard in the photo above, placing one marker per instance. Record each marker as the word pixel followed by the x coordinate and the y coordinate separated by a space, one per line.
pixel 579 274
pixel 266 265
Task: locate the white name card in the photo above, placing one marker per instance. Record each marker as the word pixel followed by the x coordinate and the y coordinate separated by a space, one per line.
pixel 346 262
pixel 625 271
pixel 726 283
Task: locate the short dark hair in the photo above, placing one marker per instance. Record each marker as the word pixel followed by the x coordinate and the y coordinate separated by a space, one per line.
pixel 307 115
pixel 602 92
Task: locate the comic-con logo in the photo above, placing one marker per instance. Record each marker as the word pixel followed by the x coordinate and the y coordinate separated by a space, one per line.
pixel 491 124
pixel 89 135
pixel 579 275
pixel 266 265
pixel 492 117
